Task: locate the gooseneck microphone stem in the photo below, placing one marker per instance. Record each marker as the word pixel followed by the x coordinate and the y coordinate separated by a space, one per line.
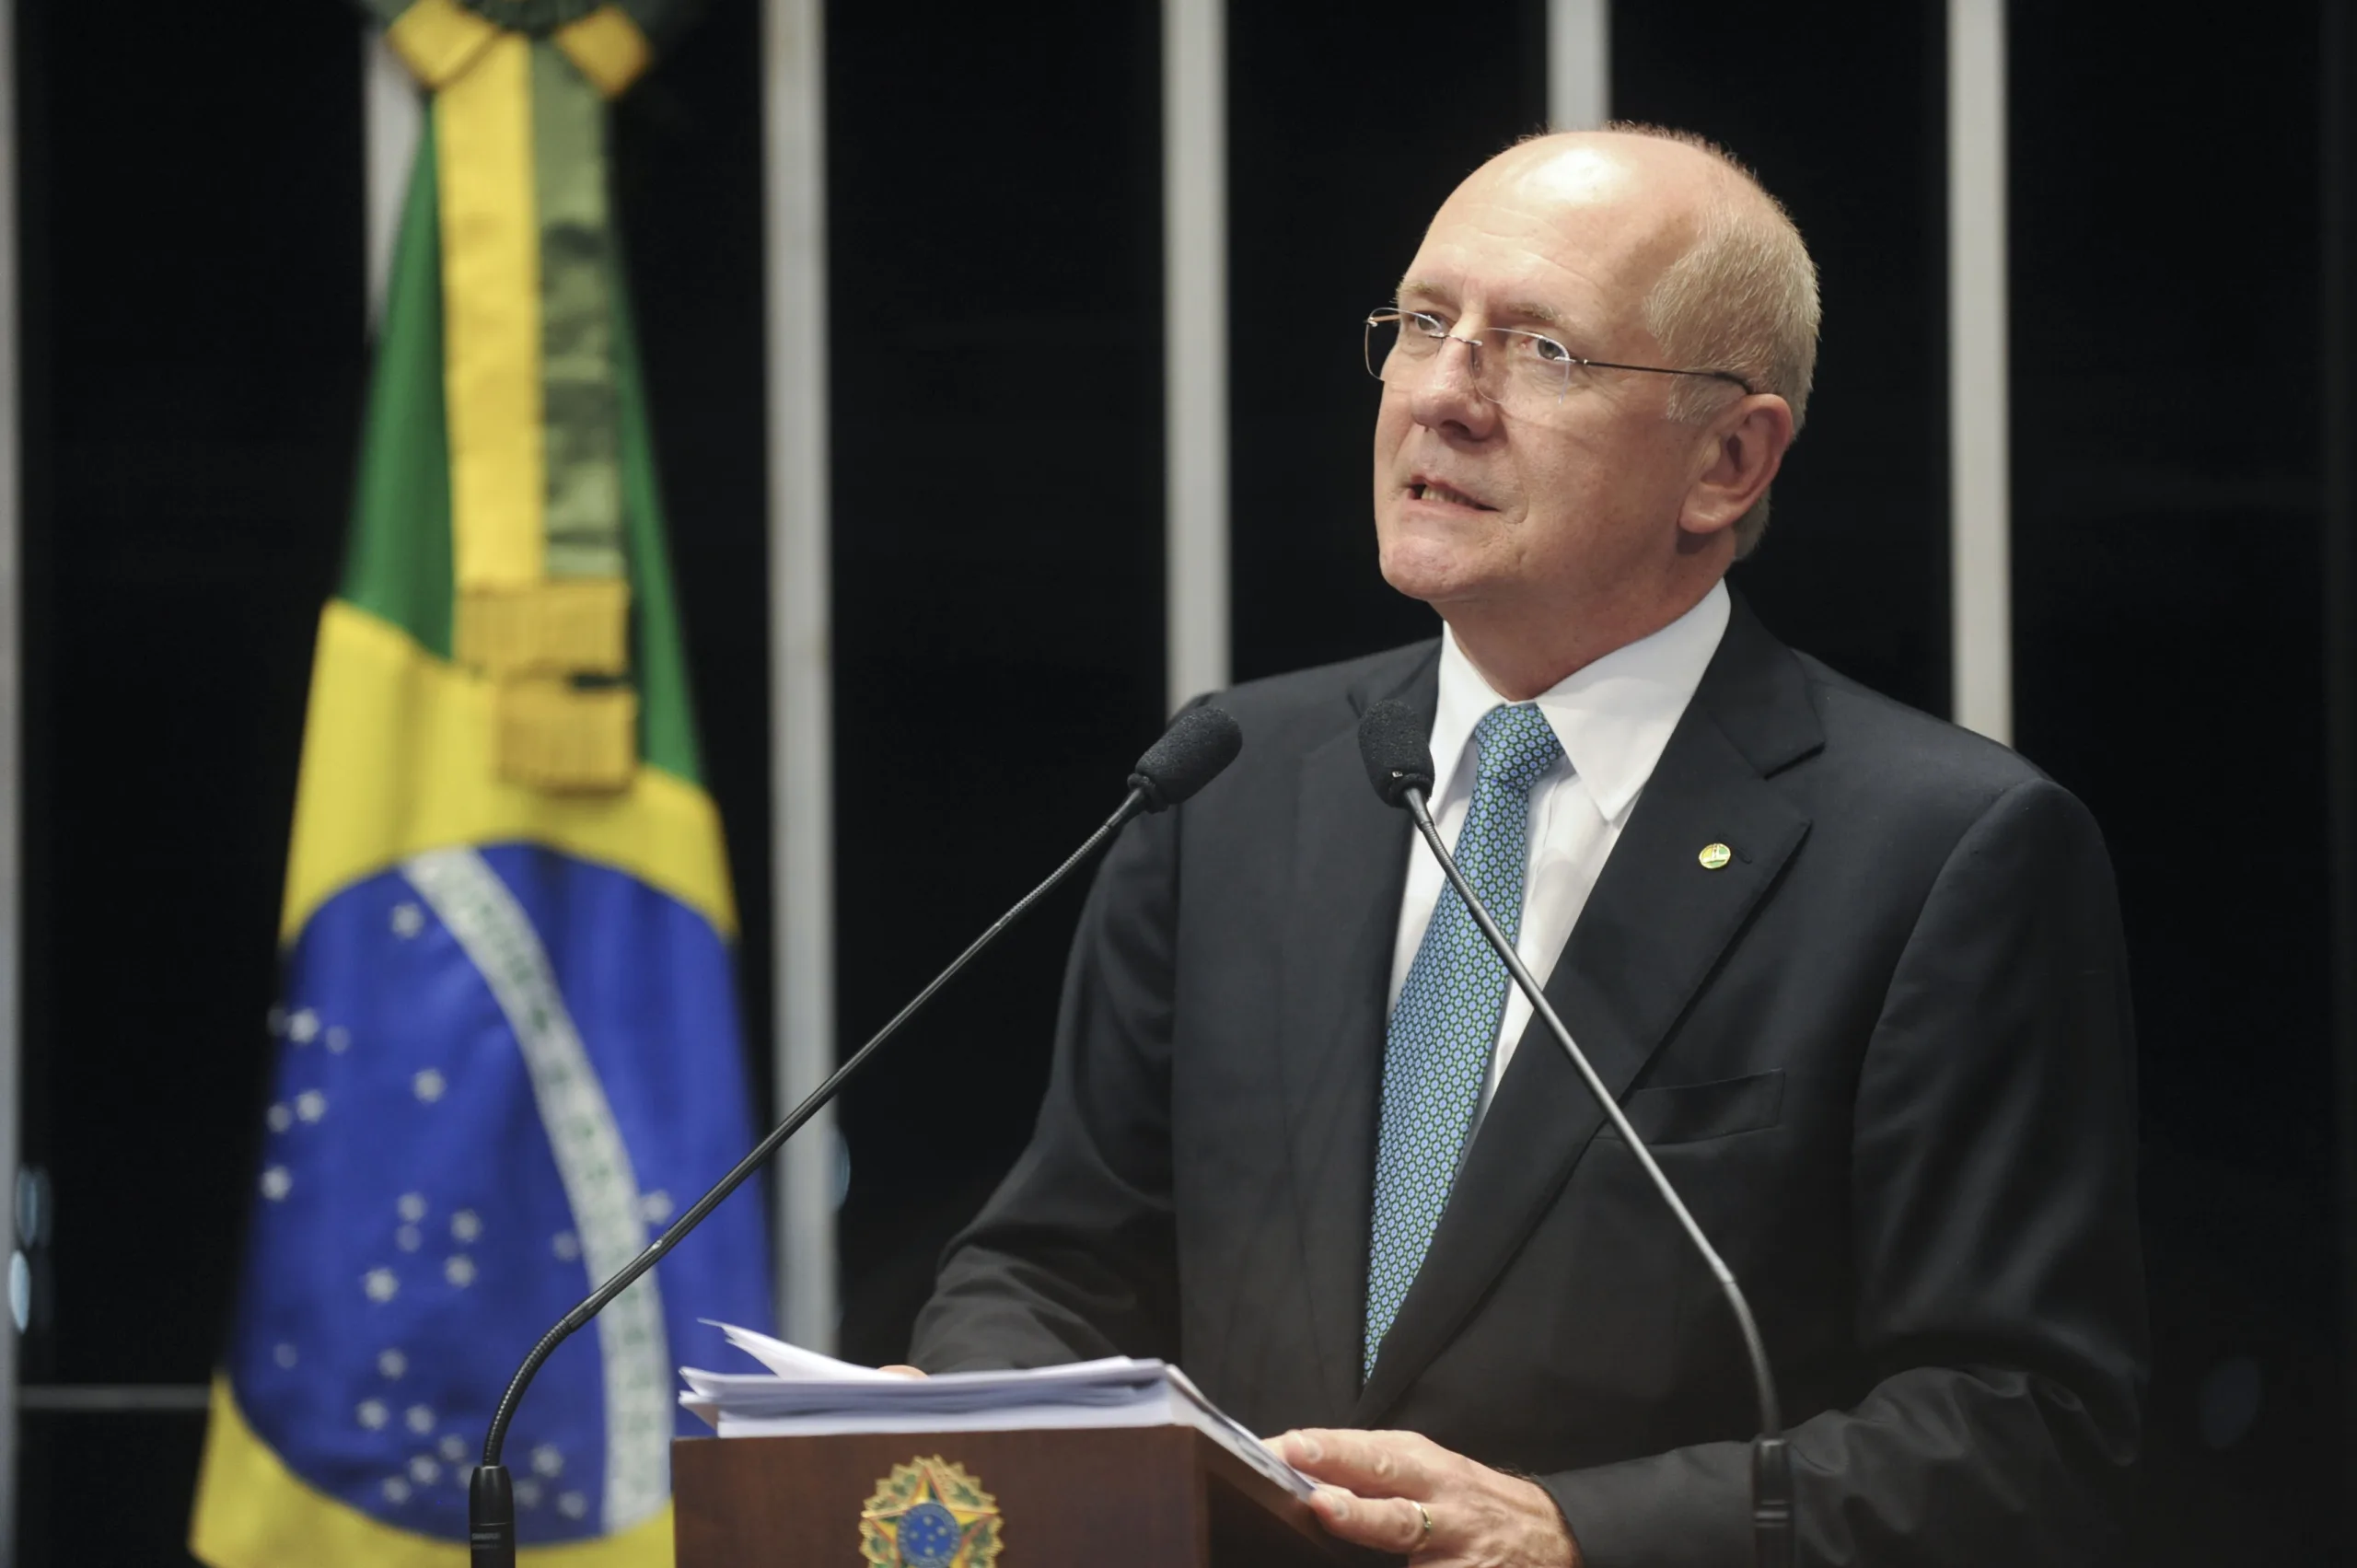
pixel 1771 1479
pixel 490 1499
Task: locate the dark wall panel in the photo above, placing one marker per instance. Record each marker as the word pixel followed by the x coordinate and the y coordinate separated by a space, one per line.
pixel 193 322
pixel 2336 414
pixel 996 320
pixel 195 327
pixel 1343 138
pixel 688 187
pixel 2169 669
pixel 1838 110
pixel 107 1488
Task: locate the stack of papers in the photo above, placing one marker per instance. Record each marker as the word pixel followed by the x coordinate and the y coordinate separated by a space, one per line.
pixel 805 1393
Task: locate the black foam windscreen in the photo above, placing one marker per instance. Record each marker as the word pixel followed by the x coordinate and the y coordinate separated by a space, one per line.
pixel 1191 752
pixel 1393 746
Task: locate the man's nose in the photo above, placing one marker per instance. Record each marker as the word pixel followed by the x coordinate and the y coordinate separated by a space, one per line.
pixel 1451 390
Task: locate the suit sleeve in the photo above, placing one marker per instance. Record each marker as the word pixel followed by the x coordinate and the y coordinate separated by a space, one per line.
pixel 1999 1291
pixel 1074 1255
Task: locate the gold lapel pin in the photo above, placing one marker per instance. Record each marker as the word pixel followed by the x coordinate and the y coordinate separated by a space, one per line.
pixel 1713 856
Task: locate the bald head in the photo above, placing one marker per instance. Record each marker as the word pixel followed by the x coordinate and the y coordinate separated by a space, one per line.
pixel 1659 173
pixel 1723 279
pixel 1611 212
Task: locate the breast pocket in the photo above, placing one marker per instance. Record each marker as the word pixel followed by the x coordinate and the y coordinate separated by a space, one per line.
pixel 1688 1113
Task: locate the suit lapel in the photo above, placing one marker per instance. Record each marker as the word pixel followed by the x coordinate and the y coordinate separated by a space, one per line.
pixel 1347 873
pixel 1655 927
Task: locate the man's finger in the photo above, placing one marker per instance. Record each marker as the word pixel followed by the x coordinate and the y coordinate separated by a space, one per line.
pixel 1372 1464
pixel 1387 1524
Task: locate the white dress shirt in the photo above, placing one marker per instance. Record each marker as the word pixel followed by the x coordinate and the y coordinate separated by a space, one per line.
pixel 1614 718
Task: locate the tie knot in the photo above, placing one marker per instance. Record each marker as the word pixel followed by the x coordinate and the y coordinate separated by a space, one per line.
pixel 1517 745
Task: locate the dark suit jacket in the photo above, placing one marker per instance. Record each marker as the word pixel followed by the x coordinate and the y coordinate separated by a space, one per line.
pixel 1883 1054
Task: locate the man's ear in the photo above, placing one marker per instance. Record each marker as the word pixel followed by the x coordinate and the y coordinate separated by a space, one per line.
pixel 1746 447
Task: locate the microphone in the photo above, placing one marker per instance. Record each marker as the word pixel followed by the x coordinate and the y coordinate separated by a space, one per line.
pixel 1399 766
pixel 1191 752
pixel 1199 744
pixel 1392 744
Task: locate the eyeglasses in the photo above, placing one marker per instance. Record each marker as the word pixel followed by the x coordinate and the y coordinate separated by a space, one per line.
pixel 1510 368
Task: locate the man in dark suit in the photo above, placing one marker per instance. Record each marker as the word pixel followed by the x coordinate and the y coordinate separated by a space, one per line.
pixel 1858 975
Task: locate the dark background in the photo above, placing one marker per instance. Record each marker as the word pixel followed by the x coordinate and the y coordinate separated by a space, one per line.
pixel 191 254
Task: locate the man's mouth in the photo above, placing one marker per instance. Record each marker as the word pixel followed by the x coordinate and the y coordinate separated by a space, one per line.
pixel 1432 490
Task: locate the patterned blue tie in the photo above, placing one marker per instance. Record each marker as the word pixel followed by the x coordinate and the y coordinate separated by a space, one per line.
pixel 1447 1021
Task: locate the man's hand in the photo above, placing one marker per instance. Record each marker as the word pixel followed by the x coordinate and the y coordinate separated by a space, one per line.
pixel 1401 1492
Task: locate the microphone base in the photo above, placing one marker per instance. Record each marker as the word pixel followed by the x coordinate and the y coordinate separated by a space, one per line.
pixel 1772 1503
pixel 490 1518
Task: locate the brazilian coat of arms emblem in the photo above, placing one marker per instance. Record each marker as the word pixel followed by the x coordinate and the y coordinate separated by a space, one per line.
pixel 929 1513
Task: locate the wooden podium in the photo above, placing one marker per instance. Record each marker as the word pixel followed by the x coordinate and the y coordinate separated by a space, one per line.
pixel 1141 1497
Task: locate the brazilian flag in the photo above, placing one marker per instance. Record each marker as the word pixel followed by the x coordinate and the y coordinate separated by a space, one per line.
pixel 507 1048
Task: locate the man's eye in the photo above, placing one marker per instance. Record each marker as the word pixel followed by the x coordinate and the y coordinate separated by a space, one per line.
pixel 1431 326
pixel 1547 351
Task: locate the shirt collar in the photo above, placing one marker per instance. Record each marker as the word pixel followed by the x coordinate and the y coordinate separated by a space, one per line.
pixel 1613 717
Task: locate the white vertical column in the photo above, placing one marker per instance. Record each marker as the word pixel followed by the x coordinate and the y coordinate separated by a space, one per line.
pixel 794 120
pixel 1194 269
pixel 391 115
pixel 1979 449
pixel 1579 63
pixel 12 709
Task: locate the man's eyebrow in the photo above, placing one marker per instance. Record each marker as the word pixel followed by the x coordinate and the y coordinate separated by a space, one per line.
pixel 1544 315
pixel 1516 310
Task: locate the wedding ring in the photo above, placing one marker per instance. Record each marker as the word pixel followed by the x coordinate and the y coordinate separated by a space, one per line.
pixel 1427 1514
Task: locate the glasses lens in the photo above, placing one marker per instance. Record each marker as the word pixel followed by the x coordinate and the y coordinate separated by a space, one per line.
pixel 1382 337
pixel 1401 348
pixel 1536 368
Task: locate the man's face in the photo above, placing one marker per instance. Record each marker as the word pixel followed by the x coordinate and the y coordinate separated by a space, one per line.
pixel 1574 503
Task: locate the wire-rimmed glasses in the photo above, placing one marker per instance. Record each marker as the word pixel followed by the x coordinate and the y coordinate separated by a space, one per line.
pixel 1510 367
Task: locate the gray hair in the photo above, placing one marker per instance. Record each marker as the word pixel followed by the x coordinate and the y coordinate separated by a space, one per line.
pixel 1743 298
